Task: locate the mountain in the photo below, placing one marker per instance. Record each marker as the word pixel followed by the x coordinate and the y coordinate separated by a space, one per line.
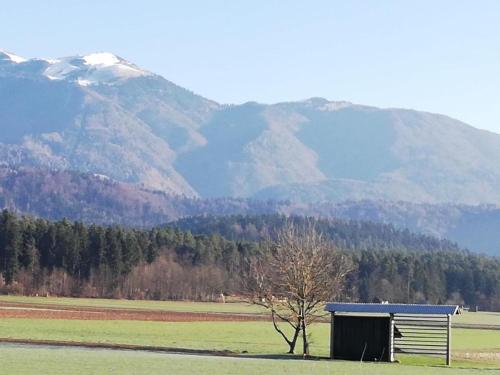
pixel 101 114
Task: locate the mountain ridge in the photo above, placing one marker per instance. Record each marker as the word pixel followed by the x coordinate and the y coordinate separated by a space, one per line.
pixel 146 130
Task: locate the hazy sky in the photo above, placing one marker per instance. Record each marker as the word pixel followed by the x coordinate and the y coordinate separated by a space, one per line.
pixel 440 56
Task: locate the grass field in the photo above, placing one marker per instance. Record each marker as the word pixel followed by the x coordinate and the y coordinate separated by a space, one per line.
pixel 254 338
pixel 16 360
pixel 480 318
pixel 251 338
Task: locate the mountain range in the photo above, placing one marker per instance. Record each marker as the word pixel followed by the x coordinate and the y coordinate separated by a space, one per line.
pixel 103 115
pixel 98 139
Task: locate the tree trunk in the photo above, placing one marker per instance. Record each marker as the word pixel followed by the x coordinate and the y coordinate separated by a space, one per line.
pixel 293 342
pixel 305 343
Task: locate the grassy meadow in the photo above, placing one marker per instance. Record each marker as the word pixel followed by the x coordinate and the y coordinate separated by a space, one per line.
pixel 29 360
pixel 252 339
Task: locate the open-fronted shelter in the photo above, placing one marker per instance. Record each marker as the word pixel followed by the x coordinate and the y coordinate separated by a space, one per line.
pixel 377 331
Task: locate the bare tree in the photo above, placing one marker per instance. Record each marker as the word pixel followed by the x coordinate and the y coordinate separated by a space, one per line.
pixel 300 270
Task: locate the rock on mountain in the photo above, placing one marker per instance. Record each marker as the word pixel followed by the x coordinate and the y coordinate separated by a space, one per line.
pixel 102 114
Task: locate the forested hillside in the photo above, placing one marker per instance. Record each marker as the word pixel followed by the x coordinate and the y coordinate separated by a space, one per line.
pixel 473 227
pixel 347 235
pixel 96 199
pixel 69 258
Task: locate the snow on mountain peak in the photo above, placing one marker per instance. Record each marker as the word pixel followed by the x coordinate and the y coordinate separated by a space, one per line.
pixel 101 58
pixel 14 58
pixel 93 69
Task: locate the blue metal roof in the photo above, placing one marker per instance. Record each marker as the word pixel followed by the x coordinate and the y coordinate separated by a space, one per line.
pixel 391 308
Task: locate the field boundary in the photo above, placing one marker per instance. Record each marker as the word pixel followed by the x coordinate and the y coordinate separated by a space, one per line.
pixel 55 306
pixel 488 327
pixel 42 311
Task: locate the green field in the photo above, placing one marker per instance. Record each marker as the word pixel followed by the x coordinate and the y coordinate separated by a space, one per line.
pixel 482 318
pixel 29 360
pixel 251 337
pixel 252 340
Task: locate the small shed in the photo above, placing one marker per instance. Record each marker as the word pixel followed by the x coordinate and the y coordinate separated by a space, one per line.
pixel 376 331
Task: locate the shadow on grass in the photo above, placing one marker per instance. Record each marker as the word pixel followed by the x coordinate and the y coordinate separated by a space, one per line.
pixel 293 357
pixel 156 349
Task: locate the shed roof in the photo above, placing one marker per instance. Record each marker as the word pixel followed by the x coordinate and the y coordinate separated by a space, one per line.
pixel 391 308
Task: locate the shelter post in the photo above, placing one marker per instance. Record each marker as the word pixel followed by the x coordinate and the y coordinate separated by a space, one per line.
pixel 448 342
pixel 391 338
pixel 331 333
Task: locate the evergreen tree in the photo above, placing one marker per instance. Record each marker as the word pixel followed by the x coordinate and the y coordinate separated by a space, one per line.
pixel 113 251
pixel 10 246
pixel 28 256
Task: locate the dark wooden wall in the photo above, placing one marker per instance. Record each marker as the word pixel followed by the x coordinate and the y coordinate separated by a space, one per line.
pixel 356 337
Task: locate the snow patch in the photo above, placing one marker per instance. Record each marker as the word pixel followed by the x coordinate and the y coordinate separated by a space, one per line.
pixel 51 61
pixel 58 69
pixel 101 58
pixel 93 69
pixel 84 82
pixel 13 58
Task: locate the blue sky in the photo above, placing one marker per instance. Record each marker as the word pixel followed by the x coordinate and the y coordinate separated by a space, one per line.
pixel 440 56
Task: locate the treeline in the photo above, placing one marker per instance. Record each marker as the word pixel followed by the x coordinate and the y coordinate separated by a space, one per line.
pixel 457 277
pixel 69 258
pixel 72 259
